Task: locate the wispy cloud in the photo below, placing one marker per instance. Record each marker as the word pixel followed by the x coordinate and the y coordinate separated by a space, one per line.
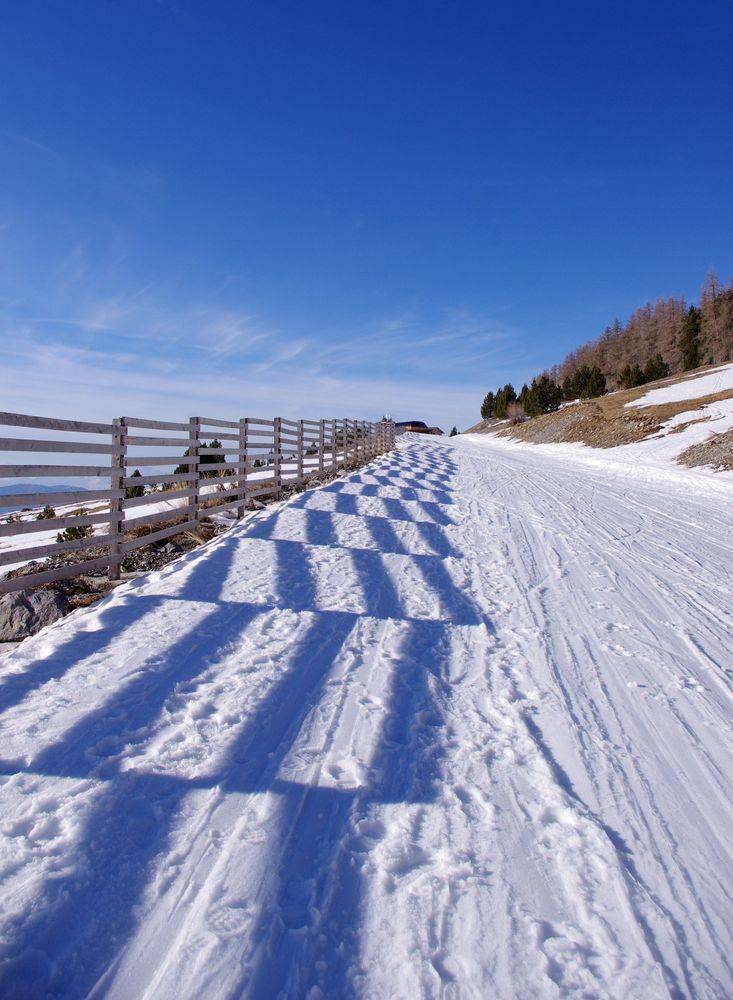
pixel 97 351
pixel 29 143
pixel 75 382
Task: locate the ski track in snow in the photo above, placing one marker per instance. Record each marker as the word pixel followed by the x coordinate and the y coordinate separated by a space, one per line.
pixel 455 726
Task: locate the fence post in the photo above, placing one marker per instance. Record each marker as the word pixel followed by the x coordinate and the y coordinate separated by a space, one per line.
pixel 299 467
pixel 346 444
pixel 276 458
pixel 321 445
pixel 334 446
pixel 194 425
pixel 116 508
pixel 242 480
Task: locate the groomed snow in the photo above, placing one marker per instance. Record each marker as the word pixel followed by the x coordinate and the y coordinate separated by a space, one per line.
pixel 654 459
pixel 458 725
pixel 691 387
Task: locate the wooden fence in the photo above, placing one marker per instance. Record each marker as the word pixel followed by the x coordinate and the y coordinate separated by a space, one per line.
pixel 194 465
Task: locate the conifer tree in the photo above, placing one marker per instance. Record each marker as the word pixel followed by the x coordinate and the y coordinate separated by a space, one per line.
pixel 689 342
pixel 504 397
pixel 487 407
pixel 134 491
pixel 655 368
pixel 544 396
pixel 631 376
pixel 595 384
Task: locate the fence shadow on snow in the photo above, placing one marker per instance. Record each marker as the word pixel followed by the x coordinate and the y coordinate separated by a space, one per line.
pixel 312 935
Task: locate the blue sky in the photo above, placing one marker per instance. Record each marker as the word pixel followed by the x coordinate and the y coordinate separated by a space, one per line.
pixel 341 208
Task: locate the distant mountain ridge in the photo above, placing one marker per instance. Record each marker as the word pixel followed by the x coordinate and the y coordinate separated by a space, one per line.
pixel 11 488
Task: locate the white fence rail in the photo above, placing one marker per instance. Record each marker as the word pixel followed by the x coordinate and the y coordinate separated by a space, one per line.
pixel 242 459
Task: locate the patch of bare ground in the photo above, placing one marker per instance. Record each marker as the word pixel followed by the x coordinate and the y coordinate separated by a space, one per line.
pixel 717 451
pixel 484 426
pixel 588 422
pixel 678 428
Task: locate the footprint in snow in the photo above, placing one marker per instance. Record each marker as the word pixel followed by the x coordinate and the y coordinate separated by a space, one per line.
pixel 296 898
pixel 202 710
pixel 26 975
pixel 140 822
pixel 370 830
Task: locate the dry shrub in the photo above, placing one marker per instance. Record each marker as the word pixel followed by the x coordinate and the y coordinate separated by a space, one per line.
pixel 515 413
pixel 147 529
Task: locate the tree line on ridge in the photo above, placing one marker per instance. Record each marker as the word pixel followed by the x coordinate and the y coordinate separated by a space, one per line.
pixel 657 340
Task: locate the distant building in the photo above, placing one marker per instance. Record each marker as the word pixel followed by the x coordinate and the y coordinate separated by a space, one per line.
pixel 416 427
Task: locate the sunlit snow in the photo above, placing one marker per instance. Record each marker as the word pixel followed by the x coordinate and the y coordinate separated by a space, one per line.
pixel 457 725
pixel 690 387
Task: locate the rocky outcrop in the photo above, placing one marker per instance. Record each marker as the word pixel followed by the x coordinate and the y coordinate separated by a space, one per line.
pixel 717 451
pixel 26 612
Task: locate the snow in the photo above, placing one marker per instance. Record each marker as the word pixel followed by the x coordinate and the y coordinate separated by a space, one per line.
pixel 653 459
pixel 691 387
pixel 457 725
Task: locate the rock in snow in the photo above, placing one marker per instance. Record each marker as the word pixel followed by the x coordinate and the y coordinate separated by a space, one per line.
pixel 26 612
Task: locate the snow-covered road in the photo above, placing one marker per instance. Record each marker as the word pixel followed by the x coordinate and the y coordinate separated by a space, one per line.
pixel 458 725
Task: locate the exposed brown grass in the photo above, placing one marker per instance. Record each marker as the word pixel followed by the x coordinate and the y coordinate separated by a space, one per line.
pixel 607 421
pixel 148 529
pixel 688 423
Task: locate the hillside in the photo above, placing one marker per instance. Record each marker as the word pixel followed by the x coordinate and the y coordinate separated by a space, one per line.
pixel 681 334
pixel 456 725
pixel 686 418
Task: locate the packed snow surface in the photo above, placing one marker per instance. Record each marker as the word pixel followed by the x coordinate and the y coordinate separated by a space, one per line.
pixel 655 457
pixel 457 725
pixel 691 387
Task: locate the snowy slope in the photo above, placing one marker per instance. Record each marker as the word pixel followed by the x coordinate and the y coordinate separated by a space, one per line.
pixel 652 460
pixel 458 725
pixel 694 386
